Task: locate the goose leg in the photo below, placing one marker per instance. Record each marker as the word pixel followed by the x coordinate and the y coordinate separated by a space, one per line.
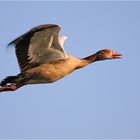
pixel 11 87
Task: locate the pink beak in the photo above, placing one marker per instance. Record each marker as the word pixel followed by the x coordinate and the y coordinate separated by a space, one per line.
pixel 116 55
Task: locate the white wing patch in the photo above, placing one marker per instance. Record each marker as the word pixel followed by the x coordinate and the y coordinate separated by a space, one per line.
pixel 61 40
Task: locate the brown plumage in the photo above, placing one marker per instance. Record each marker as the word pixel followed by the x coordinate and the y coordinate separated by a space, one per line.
pixel 42 59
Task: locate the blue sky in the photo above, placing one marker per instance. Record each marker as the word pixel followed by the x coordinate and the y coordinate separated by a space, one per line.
pixel 98 101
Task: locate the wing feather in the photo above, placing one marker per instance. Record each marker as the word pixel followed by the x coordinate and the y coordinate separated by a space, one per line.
pixel 38 46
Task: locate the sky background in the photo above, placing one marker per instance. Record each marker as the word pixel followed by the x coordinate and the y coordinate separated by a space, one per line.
pixel 101 100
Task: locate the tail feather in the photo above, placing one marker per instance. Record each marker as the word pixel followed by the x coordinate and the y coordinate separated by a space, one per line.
pixel 9 79
pixel 18 79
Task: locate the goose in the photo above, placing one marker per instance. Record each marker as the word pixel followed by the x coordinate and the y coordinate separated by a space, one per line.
pixel 42 58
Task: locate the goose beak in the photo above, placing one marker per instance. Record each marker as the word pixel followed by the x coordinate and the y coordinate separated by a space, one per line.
pixel 116 55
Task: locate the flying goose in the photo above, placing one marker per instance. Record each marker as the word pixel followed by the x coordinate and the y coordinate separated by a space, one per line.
pixel 42 58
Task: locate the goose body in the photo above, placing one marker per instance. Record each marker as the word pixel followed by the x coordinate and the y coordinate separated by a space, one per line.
pixel 53 71
pixel 42 58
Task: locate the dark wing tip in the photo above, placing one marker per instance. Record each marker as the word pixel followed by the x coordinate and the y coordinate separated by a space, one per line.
pixel 15 42
pixel 12 43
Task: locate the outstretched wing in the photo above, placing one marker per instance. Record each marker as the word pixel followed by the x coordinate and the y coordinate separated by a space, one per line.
pixel 40 45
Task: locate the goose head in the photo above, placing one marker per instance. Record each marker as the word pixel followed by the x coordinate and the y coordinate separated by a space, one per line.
pixel 107 54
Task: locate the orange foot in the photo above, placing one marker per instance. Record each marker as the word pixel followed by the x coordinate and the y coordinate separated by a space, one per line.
pixel 11 87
